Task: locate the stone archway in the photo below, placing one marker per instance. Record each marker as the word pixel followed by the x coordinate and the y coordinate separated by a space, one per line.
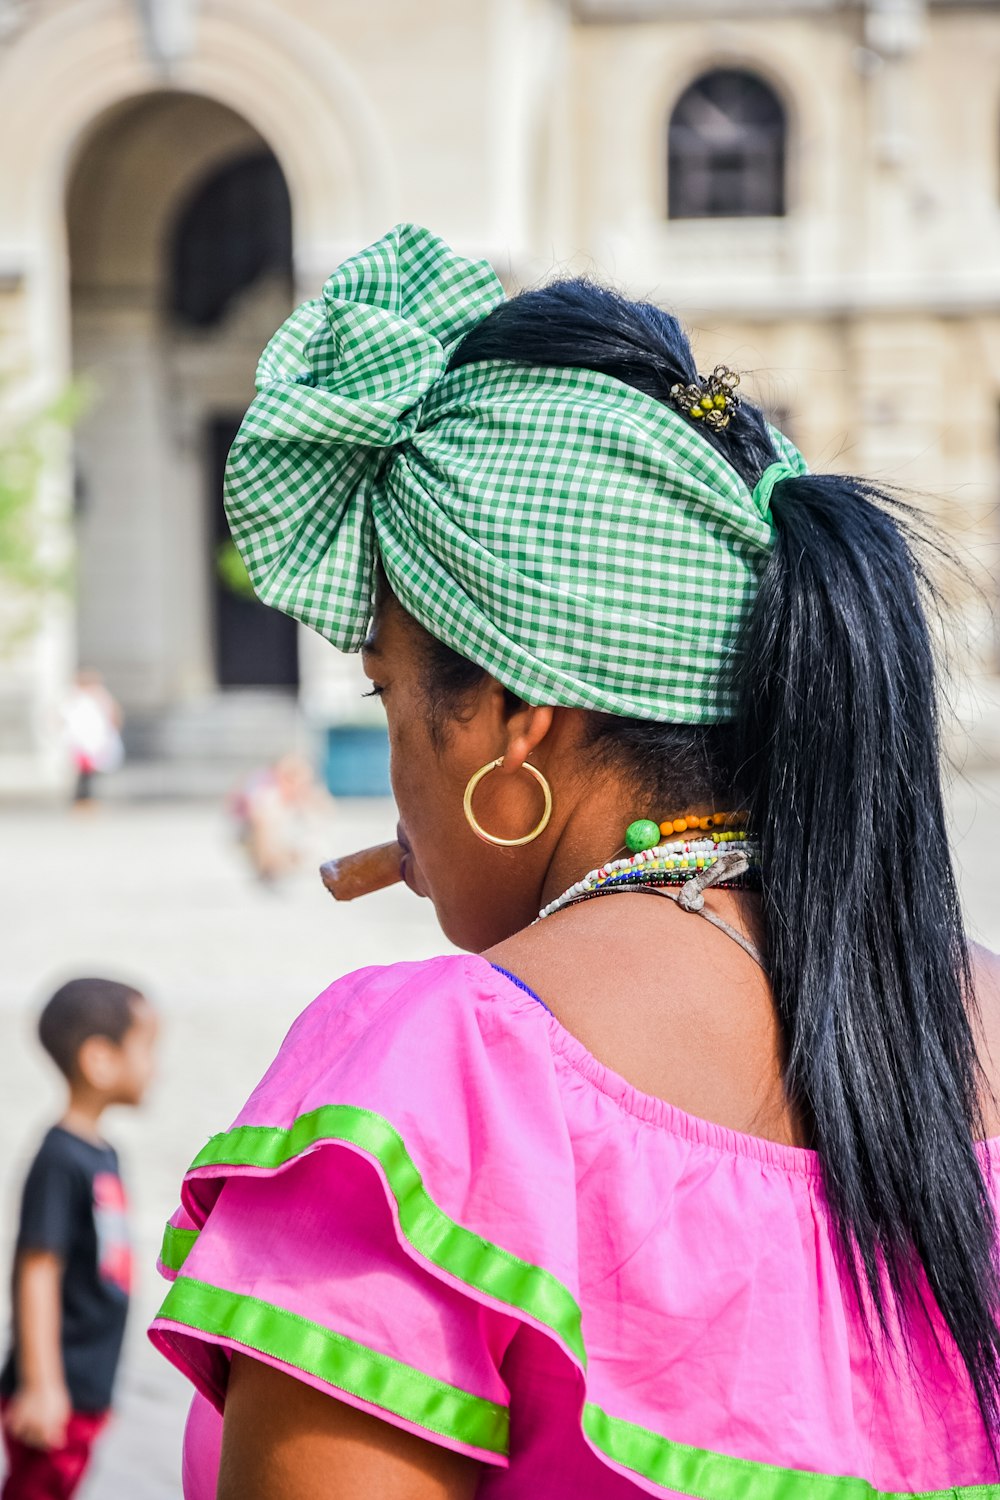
pixel 66 73
pixel 180 255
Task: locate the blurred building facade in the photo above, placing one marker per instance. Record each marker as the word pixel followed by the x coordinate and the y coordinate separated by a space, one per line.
pixel 813 185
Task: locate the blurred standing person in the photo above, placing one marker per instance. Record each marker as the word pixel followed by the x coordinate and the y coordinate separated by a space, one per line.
pixel 73 1262
pixel 93 723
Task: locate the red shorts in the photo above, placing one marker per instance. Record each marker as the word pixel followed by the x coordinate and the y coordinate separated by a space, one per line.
pixel 33 1474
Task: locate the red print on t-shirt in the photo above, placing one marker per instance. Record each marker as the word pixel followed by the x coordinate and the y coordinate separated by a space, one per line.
pixel 114 1252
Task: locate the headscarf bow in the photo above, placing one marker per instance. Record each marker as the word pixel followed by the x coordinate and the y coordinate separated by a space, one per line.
pixel 577 539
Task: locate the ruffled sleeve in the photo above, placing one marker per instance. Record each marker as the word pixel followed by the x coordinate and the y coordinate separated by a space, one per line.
pixel 383 1216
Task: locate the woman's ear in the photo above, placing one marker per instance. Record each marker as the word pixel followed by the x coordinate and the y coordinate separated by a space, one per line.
pixel 527 727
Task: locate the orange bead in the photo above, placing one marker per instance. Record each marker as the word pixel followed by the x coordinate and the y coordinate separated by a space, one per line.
pixel 680 824
pixel 667 827
pixel 705 824
pixel 718 819
pixel 692 820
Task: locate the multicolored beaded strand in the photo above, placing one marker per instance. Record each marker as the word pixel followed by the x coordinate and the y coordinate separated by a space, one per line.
pixel 645 833
pixel 673 863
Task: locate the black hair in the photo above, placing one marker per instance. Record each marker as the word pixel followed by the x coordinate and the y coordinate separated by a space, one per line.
pixel 83 1008
pixel 835 754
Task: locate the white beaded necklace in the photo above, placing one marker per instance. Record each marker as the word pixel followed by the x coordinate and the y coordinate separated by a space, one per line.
pixel 673 863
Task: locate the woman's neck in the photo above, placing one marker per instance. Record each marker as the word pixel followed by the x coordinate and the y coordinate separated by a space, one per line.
pixel 594 833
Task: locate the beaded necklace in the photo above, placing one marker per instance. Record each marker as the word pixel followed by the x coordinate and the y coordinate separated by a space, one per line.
pixel 674 862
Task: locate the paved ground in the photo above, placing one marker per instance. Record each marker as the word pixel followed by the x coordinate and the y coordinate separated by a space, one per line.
pixel 158 892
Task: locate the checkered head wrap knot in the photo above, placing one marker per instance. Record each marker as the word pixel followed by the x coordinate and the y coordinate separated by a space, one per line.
pixel 579 540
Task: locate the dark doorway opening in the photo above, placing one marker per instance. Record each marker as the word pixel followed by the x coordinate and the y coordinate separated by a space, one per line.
pixel 234 230
pixel 254 646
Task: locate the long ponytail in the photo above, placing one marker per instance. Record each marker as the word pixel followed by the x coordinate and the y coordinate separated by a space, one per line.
pixel 867 955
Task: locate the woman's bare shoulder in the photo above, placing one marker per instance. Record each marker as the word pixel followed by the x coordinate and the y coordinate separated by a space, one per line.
pixel 576 963
pixel 986 963
pixel 986 982
pixel 627 977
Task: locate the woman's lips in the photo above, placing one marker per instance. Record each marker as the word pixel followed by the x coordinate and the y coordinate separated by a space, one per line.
pixel 409 871
pixel 408 865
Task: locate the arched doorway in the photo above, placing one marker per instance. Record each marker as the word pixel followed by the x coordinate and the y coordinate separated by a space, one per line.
pixel 180 242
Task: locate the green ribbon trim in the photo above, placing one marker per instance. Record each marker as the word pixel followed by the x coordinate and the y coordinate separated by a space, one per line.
pixel 695 1472
pixel 339 1361
pixel 475 1261
pixel 176 1247
pixel 719 1476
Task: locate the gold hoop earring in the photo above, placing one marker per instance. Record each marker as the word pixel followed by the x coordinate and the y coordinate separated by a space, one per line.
pixel 491 838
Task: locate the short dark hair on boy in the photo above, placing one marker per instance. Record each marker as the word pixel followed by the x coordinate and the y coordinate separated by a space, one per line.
pixel 83 1008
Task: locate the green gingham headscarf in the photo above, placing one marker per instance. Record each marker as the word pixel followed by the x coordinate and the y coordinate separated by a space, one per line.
pixel 577 539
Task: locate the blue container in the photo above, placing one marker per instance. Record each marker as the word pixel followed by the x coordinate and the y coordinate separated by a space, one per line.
pixel 356 763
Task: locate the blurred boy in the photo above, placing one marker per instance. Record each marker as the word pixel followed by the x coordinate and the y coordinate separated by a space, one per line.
pixel 72 1266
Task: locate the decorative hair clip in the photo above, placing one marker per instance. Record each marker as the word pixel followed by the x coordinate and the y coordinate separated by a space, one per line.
pixel 712 399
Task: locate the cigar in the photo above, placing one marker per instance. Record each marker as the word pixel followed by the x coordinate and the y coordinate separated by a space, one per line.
pixel 359 874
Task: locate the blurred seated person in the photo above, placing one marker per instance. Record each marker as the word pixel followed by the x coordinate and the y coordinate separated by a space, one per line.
pixel 272 810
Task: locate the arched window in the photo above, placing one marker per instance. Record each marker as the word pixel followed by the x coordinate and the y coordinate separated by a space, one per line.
pixel 726 149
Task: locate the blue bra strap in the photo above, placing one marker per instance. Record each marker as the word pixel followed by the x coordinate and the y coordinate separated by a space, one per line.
pixel 520 984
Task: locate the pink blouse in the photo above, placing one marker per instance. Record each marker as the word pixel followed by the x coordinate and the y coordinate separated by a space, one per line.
pixel 440 1208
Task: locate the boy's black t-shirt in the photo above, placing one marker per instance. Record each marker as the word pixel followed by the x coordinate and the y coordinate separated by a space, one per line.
pixel 74 1205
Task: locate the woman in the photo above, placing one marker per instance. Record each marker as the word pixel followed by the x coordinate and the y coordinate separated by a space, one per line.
pixel 619 1200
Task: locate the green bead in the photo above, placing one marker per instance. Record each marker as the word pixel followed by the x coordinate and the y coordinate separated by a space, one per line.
pixel 642 834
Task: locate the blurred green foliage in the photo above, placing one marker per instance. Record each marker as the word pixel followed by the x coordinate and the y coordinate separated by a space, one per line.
pixel 232 570
pixel 28 443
